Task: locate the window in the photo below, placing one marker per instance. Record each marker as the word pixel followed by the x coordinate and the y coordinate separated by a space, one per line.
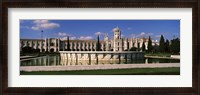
pixel 52 44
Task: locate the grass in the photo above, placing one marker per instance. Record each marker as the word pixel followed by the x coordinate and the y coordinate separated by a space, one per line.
pixel 135 71
pixel 158 54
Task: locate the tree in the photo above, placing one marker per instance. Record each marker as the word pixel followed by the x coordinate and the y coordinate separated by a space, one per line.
pixel 27 49
pixel 155 48
pixel 63 46
pixel 149 46
pixel 167 47
pixel 143 46
pixel 122 43
pixel 37 50
pixel 133 49
pixel 162 44
pixel 138 46
pixel 98 47
pixel 175 46
pixel 68 45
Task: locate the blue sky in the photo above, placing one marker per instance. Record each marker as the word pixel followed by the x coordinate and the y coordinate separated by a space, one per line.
pixel 89 29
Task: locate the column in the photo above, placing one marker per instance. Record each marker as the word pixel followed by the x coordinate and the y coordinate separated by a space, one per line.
pixel 100 56
pixel 122 56
pixel 41 46
pixel 115 56
pixel 45 44
pixel 107 56
pixel 59 44
pixel 93 56
pixel 48 45
pixel 55 46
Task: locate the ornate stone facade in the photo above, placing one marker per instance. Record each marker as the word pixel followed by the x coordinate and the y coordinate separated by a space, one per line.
pixel 116 44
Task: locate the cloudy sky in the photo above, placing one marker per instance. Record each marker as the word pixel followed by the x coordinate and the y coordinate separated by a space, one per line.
pixel 89 29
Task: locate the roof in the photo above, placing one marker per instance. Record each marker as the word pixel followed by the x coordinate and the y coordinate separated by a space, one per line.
pixel 32 39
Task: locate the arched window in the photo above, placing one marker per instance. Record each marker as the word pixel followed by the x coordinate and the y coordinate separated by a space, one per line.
pixel 52 50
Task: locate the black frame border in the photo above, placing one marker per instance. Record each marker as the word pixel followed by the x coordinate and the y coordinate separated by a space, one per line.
pixel 194 4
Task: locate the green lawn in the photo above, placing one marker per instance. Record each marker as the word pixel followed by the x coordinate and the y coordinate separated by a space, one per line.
pixel 135 71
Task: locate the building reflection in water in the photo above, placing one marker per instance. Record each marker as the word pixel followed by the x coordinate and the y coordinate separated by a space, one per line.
pixel 41 61
pixel 57 61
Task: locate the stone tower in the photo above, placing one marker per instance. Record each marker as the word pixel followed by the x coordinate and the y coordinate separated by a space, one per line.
pixel 106 37
pixel 117 39
pixel 106 40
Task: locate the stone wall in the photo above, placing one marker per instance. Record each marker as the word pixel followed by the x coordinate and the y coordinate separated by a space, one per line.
pixel 101 55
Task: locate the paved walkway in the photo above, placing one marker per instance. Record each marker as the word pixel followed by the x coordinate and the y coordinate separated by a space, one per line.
pixel 161 57
pixel 24 57
pixel 95 67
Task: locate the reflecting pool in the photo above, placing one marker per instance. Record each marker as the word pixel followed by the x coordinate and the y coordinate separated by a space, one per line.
pixel 56 61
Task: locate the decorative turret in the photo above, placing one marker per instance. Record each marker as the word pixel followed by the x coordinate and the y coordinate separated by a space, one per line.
pixel 106 37
pixel 106 40
pixel 116 29
pixel 117 33
pixel 117 39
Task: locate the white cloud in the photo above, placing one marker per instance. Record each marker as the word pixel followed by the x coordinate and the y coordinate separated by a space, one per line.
pixel 24 27
pixel 142 34
pixel 63 34
pixel 149 34
pixel 63 38
pixel 72 38
pixel 44 24
pixel 40 21
pixel 85 38
pixel 98 33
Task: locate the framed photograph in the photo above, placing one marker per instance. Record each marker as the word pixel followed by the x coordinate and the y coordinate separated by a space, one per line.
pixel 100 47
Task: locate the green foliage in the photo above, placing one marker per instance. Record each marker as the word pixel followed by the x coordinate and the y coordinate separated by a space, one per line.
pixel 98 46
pixel 46 52
pixel 143 47
pixel 122 42
pixel 28 49
pixel 68 45
pixel 167 47
pixel 63 46
pixel 155 49
pixel 175 46
pixel 133 49
pixel 37 50
pixel 138 46
pixel 162 44
pixel 149 46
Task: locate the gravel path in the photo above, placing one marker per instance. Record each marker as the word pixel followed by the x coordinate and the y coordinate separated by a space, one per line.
pixel 95 67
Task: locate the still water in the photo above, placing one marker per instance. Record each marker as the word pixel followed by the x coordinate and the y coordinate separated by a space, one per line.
pixel 56 61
